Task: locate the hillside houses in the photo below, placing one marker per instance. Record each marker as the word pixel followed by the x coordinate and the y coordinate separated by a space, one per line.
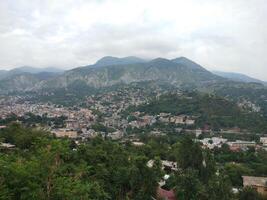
pixel 180 119
pixel 213 142
pixel 65 133
pixel 240 145
pixel 148 120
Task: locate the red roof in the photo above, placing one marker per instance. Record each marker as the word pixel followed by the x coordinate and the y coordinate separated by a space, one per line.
pixel 165 194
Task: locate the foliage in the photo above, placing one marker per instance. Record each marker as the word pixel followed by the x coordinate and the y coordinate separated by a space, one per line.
pixel 215 111
pixel 249 193
pixel 44 167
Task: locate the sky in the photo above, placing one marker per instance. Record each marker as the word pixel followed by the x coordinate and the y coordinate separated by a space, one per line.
pixel 225 35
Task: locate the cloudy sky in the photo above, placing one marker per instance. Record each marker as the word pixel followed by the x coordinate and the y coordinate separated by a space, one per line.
pixel 228 35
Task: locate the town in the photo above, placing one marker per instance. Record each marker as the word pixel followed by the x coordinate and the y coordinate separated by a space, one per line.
pixel 110 116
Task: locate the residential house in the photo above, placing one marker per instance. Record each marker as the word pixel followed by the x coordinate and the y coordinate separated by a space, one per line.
pixel 166 165
pixel 165 194
pixel 258 183
pixel 116 135
pixel 241 145
pixel 65 133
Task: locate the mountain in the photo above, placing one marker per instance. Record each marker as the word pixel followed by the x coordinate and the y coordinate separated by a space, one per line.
pixel 110 71
pixel 188 63
pixel 238 77
pixel 3 73
pixel 34 70
pixel 109 60
pixel 18 82
pixel 23 81
pixel 113 71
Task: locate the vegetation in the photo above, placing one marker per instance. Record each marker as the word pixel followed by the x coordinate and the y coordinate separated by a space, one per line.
pixel 30 119
pixel 215 111
pixel 44 167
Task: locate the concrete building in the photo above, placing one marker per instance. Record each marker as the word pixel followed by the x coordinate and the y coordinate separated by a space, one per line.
pixel 65 133
pixel 258 183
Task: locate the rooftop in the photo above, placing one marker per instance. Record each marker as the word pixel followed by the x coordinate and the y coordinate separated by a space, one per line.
pixel 254 181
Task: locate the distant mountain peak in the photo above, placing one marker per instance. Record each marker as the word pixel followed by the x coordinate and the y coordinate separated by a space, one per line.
pixel 187 62
pixel 110 60
pixel 160 60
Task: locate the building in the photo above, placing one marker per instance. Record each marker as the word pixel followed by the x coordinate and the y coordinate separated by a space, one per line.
pixel 177 119
pixel 65 133
pixel 258 183
pixel 138 144
pixel 165 194
pixel 263 140
pixel 7 146
pixel 166 165
pixel 72 124
pixel 189 122
pixel 198 132
pixel 116 135
pixel 241 145
pixel 213 142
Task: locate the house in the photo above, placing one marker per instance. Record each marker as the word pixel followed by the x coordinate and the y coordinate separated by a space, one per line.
pixel 2 127
pixel 189 122
pixel 165 194
pixel 198 132
pixel 258 183
pixel 166 165
pixel 72 124
pixel 164 119
pixel 169 165
pixel 7 146
pixel 213 142
pixel 177 119
pixel 241 145
pixel 138 144
pixel 263 140
pixel 65 133
pixel 163 180
pixel 116 135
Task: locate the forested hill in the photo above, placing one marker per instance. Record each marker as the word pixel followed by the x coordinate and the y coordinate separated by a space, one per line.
pixel 213 110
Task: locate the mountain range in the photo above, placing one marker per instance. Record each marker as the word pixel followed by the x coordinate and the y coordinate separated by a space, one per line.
pixel 109 71
pixel 238 77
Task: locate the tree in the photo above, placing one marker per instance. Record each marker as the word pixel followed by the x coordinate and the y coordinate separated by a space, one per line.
pixel 188 186
pixel 189 154
pixel 208 168
pixel 235 173
pixel 219 188
pixel 248 193
pixel 72 189
pixel 143 181
pixel 4 191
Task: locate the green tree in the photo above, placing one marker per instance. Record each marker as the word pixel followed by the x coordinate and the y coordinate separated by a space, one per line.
pixel 188 186
pixel 248 193
pixel 143 181
pixel 189 154
pixel 219 188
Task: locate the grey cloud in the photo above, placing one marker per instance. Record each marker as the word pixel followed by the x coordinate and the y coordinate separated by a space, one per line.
pixel 43 33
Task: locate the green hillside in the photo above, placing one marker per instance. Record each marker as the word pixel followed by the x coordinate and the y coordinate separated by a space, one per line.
pixel 215 111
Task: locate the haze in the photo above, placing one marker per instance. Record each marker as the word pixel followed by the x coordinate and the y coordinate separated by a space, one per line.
pixel 221 35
